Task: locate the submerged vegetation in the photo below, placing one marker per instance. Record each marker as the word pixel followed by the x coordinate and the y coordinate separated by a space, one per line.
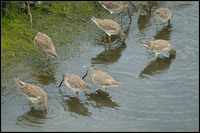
pixel 17 34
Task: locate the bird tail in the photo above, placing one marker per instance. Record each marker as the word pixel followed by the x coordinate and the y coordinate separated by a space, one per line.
pixel 95 20
pixel 56 55
pixel 53 55
pixel 89 88
pixel 148 44
pixel 19 82
pixel 117 83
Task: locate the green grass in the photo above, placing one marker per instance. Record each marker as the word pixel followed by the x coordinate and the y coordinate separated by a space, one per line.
pixel 17 36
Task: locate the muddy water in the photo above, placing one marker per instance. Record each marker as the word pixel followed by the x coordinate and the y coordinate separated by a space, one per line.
pixel 161 95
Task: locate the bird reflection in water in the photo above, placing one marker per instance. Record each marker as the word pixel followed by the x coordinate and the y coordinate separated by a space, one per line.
pixel 147 5
pixel 143 22
pixel 109 55
pixel 142 10
pixel 45 75
pixel 164 33
pixel 75 105
pixel 100 100
pixel 32 118
pixel 157 67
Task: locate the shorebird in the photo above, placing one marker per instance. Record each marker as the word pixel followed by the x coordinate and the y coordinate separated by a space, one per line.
pixel 115 7
pixel 162 14
pixel 33 93
pixel 102 79
pixel 44 43
pixel 159 46
pixel 110 27
pixel 74 82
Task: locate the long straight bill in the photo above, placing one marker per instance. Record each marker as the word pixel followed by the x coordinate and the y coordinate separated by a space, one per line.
pixel 84 75
pixel 61 83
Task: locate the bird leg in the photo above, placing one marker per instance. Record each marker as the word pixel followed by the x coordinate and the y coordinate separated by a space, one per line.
pixel 109 40
pixel 110 16
pixel 33 106
pixel 30 104
pixel 104 37
pixel 101 90
pixel 148 9
pixel 155 56
pixel 157 26
pixel 113 17
pixel 146 6
pixel 169 22
pixel 106 90
pixel 163 25
pixel 76 94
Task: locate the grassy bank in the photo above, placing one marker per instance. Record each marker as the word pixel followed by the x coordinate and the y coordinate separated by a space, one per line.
pixel 16 33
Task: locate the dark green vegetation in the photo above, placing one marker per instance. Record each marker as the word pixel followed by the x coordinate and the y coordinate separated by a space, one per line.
pixel 17 35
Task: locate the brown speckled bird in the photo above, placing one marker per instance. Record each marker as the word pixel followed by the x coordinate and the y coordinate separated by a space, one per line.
pixel 110 27
pixel 159 46
pixel 74 82
pixel 102 79
pixel 162 14
pixel 44 43
pixel 115 7
pixel 33 93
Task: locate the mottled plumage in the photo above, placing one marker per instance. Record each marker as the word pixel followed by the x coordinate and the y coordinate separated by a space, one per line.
pixel 33 93
pixel 115 6
pixel 74 82
pixel 44 43
pixel 109 26
pixel 163 14
pixel 101 78
pixel 160 46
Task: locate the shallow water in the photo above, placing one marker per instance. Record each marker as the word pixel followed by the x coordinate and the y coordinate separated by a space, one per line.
pixel 159 95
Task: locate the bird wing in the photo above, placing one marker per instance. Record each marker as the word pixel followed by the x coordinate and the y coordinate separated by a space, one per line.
pixel 30 90
pixel 103 78
pixel 76 82
pixel 107 24
pixel 112 4
pixel 44 43
pixel 159 45
pixel 163 12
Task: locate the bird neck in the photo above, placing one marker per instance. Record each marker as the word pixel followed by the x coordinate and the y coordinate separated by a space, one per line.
pixel 173 51
pixel 122 35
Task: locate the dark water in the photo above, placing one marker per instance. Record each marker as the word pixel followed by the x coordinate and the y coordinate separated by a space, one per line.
pixel 155 96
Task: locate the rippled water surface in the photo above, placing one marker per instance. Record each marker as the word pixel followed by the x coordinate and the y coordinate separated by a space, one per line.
pixel 161 95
